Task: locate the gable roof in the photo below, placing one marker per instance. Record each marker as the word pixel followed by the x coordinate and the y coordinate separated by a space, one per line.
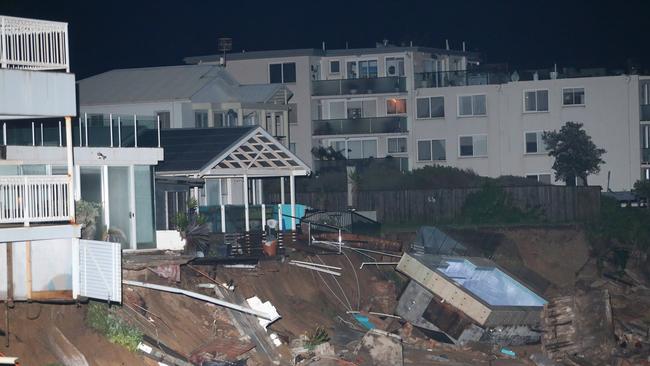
pixel 196 83
pixel 226 151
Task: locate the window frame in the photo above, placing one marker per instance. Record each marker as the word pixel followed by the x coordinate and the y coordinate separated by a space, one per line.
pixel 584 96
pixel 345 106
pixel 537 175
pixel 430 110
pixel 548 97
pixel 346 140
pixel 487 146
pixel 330 62
pixel 356 61
pixel 397 138
pixel 281 63
pixel 207 117
pixel 387 58
pixel 538 140
pixel 406 110
pixel 430 143
pixel 472 99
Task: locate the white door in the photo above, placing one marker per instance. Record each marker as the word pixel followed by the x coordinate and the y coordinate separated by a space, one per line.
pixel 100 270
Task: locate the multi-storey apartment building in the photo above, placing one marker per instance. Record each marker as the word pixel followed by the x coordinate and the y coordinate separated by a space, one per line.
pixel 428 106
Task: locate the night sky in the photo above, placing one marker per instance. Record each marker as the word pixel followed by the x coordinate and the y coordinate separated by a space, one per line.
pixel 526 34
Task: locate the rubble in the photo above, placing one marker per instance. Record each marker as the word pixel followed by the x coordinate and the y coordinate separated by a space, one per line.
pixel 381 348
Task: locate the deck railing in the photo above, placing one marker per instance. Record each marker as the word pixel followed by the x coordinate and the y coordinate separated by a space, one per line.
pixel 33 44
pixel 34 198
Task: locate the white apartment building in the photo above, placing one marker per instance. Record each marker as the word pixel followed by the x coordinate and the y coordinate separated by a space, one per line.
pixel 427 106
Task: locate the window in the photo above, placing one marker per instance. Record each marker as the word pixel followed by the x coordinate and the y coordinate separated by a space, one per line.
pixel 432 107
pixel 396 145
pixel 542 178
pixel 573 96
pixel 395 106
pixel 534 143
pixel 472 105
pixel 360 108
pixel 282 73
pixel 335 67
pixel 220 119
pixel 357 148
pixel 164 118
pixel 292 147
pixel 293 113
pixel 362 69
pixel 394 66
pixel 536 101
pixel 201 119
pixel 473 146
pixel 431 150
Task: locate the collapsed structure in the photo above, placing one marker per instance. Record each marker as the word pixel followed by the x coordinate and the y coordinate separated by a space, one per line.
pixel 459 299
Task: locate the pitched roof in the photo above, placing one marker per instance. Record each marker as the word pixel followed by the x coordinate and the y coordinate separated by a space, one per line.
pixel 190 149
pixel 196 83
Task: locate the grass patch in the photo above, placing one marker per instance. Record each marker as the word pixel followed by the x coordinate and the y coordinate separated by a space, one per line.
pixel 103 320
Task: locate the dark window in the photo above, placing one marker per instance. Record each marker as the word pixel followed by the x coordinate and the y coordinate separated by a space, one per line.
pixel 438 150
pixel 275 73
pixel 424 150
pixel 466 146
pixel 165 119
pixel 201 119
pixel 335 67
pixel 531 142
pixel 289 72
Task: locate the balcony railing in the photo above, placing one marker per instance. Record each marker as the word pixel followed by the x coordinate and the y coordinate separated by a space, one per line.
pixel 645 112
pixel 34 198
pixel 356 126
pixel 378 85
pixel 33 44
pixel 645 155
pixel 87 131
pixel 459 78
pixel 399 163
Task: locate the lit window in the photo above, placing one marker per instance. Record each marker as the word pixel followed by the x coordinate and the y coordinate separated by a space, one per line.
pixel 472 105
pixel 536 101
pixel 573 96
pixel 395 106
pixel 473 146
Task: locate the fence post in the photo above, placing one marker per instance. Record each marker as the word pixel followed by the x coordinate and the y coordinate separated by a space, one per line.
pixel 26 201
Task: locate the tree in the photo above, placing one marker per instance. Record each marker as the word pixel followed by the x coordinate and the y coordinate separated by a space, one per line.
pixel 576 156
pixel 642 189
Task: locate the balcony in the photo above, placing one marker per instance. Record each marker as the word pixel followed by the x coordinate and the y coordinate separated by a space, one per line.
pixel 93 131
pixel 34 198
pixel 378 85
pixel 459 78
pixel 645 155
pixel 358 126
pixel 33 44
pixel 645 112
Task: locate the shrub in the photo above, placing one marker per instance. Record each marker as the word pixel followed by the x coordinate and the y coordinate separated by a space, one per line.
pixel 492 205
pixel 100 318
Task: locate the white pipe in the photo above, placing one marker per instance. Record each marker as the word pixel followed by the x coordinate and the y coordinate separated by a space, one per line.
pixel 85 128
pixel 315 268
pixel 70 162
pixel 316 264
pixel 378 263
pixel 372 251
pixel 198 296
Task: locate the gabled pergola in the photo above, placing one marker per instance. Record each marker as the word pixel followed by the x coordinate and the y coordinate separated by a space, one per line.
pixel 254 155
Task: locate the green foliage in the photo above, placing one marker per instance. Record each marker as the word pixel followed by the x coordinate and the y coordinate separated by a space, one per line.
pixel 327 153
pixel 103 320
pixel 87 214
pixel 492 205
pixel 619 227
pixel 316 337
pixel 642 189
pixel 575 153
pixel 193 227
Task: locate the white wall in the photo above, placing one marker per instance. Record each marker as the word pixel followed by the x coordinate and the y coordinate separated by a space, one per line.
pixel 610 116
pixel 36 94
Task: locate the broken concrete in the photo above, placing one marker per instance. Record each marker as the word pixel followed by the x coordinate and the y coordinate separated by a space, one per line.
pixel 383 349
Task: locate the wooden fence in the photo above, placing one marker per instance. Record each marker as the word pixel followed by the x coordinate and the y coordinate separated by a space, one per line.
pixel 556 203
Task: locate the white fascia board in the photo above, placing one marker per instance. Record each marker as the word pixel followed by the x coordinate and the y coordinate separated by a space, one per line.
pixel 24 233
pixel 86 155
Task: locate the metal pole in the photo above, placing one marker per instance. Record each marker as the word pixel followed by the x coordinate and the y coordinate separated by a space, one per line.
pixel 135 130
pixel 4 133
pixel 119 131
pixel 33 137
pixel 246 213
pixel 110 127
pixel 86 127
pixel 42 144
pixel 60 135
pixel 158 117
pixel 292 187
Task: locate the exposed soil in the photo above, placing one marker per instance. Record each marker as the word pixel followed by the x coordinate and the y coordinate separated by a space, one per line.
pixel 30 323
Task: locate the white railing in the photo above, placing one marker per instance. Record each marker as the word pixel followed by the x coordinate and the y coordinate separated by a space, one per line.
pixel 33 44
pixel 34 198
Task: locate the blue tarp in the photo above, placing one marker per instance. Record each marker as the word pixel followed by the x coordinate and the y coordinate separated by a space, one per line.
pixel 286 215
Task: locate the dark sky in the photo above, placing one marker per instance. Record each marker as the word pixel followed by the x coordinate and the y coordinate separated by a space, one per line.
pixel 526 34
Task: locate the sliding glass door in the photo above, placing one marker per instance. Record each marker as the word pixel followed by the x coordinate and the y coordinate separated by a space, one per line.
pixel 144 207
pixel 119 198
